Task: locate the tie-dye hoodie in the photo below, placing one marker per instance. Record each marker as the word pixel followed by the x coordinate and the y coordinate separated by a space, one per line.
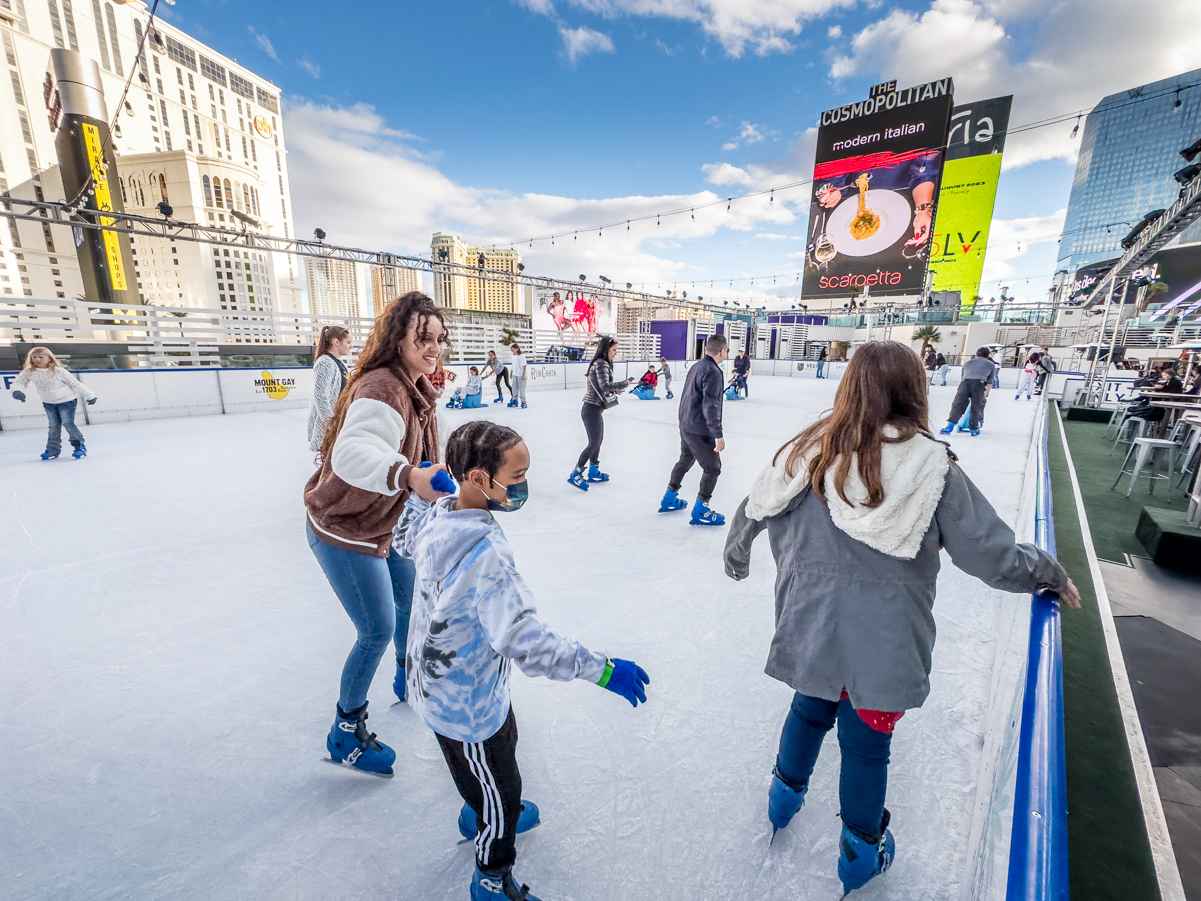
pixel 472 615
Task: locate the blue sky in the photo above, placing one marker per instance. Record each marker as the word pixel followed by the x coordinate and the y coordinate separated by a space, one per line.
pixel 501 120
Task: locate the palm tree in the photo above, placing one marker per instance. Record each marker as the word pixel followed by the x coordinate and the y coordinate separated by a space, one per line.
pixel 508 337
pixel 929 335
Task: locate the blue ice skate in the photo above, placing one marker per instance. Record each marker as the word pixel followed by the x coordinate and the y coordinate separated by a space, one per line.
pixel 50 454
pixel 498 885
pixel 703 516
pixel 947 429
pixel 860 861
pixel 577 478
pixel 595 474
pixel 350 744
pixel 81 451
pixel 671 502
pixel 524 405
pixel 529 818
pixel 512 402
pixel 783 802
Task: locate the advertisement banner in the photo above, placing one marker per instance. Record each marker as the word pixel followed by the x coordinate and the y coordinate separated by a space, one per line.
pixel 584 313
pixel 967 196
pixel 875 185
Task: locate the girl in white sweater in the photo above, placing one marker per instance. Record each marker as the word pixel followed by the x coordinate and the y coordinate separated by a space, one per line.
pixel 59 391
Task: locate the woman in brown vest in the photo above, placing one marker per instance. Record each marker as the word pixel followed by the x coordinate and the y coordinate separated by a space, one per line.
pixel 383 426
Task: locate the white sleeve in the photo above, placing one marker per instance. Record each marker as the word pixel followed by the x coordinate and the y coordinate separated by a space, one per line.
pixel 365 453
pixel 74 384
pixel 22 380
pixel 413 520
pixel 507 615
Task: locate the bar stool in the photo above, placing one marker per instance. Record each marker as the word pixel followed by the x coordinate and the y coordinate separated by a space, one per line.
pixel 1117 418
pixel 1191 457
pixel 1144 449
pixel 1132 428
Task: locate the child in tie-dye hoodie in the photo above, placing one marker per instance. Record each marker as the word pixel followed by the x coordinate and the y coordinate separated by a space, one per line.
pixel 473 616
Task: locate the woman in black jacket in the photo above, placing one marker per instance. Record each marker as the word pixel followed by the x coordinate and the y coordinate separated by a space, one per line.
pixel 599 394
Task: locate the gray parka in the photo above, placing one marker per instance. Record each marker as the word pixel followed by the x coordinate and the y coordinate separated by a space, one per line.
pixel 851 616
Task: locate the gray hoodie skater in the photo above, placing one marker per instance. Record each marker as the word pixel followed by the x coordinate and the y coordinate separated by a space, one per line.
pixel 855 585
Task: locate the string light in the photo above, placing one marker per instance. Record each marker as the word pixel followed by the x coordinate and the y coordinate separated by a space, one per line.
pixel 729 203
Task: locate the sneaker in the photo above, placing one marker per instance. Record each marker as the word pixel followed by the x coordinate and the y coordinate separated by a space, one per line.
pixel 861 860
pixel 529 818
pixel 703 516
pixel 498 885
pixel 672 502
pixel 577 478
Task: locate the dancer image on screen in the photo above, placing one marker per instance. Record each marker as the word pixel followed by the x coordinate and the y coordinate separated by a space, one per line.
pixel 977 377
pixel 59 392
pixel 473 618
pixel 329 378
pixel 500 370
pixel 600 393
pixel 383 425
pixel 858 507
pixel 558 312
pixel 701 436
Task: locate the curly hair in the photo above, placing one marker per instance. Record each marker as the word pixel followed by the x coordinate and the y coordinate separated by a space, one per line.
pixel 382 350
pixel 479 444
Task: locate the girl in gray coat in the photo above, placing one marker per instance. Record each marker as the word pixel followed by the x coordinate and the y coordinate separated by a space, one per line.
pixel 857 508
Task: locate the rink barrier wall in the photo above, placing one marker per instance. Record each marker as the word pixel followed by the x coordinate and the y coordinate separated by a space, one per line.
pixel 135 394
pixel 1038 849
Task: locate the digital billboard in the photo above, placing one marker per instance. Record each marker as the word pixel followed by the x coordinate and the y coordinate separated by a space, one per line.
pixel 875 191
pixel 967 196
pixel 570 312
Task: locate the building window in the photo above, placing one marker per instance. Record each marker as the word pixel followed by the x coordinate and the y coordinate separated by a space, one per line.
pixel 217 196
pixel 98 18
pixel 267 101
pixel 185 56
pixel 56 24
pixel 208 192
pixel 246 198
pixel 69 18
pixel 112 30
pixel 229 194
pixel 212 71
pixel 240 85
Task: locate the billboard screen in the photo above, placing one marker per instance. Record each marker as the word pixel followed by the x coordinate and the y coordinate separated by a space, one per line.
pixel 967 196
pixel 875 185
pixel 569 312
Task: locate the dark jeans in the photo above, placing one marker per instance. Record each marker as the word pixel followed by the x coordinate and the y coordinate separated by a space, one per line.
pixel 971 391
pixel 503 376
pixel 487 777
pixel 863 778
pixel 377 594
pixel 697 449
pixel 594 425
pixel 60 416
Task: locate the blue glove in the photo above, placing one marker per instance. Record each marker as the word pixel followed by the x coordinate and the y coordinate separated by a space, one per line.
pixel 625 678
pixel 19 395
pixel 441 481
pixel 92 401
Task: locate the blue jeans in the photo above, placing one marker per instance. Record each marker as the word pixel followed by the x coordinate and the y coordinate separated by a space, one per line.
pixel 377 594
pixel 821 369
pixel 863 779
pixel 61 415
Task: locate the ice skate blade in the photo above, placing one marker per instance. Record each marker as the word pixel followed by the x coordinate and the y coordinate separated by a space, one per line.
pixel 355 769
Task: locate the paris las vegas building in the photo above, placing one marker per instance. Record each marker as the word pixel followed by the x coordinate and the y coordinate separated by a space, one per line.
pixel 197 131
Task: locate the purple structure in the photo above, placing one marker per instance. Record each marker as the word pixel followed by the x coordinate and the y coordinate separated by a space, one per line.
pixel 673 337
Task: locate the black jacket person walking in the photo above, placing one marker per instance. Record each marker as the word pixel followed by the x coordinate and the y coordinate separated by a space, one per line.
pixel 701 437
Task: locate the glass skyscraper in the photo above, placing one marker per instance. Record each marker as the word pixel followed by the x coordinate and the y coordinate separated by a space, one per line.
pixel 1131 147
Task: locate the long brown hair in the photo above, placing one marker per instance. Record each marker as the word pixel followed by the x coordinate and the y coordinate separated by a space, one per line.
pixel 884 384
pixel 381 350
pixel 329 334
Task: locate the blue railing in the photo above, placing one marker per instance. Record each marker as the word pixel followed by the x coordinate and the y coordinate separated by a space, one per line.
pixel 1038 851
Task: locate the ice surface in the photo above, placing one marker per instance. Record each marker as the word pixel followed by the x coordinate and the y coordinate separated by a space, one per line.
pixel 172 652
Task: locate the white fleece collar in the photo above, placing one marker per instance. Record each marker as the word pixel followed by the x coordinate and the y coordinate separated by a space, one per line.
pixel 913 473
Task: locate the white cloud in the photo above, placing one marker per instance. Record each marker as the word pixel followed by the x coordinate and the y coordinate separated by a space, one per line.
pixel 1012 241
pixel 749 133
pixel 762 26
pixel 834 31
pixel 723 174
pixel 713 121
pixel 777 236
pixel 730 145
pixel 580 42
pixel 340 156
pixel 309 66
pixel 264 43
pixel 1070 54
pixel 666 49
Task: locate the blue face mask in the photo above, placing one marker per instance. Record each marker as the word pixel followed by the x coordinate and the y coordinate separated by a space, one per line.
pixel 515 497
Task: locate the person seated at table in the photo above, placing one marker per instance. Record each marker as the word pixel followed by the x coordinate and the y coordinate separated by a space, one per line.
pixel 1168 383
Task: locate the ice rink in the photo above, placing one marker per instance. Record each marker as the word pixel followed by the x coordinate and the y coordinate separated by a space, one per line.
pixel 172 653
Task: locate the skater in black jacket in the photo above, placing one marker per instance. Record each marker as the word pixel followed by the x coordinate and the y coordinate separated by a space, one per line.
pixel 701 437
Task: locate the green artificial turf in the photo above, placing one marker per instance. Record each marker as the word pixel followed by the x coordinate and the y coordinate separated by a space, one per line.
pixel 1109 856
